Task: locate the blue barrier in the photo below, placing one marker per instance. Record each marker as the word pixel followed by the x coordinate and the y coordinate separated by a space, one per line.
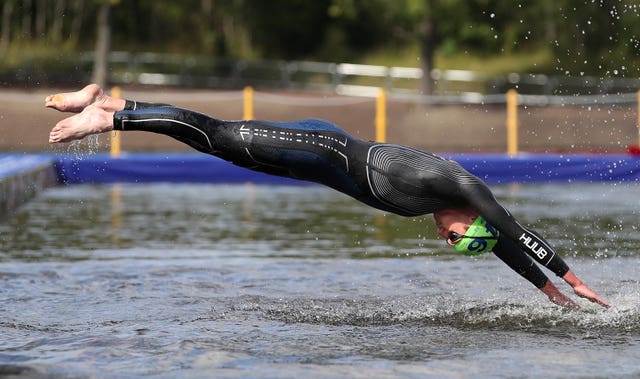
pixel 202 168
pixel 158 167
pixel 547 168
pixel 14 164
pixel 22 177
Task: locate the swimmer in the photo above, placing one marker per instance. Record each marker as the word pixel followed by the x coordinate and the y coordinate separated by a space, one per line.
pixel 392 178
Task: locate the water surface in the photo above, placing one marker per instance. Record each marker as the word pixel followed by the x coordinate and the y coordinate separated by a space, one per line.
pixel 263 282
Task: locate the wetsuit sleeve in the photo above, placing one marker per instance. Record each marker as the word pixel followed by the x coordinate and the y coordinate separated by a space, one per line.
pixel 511 254
pixel 556 263
pixel 481 199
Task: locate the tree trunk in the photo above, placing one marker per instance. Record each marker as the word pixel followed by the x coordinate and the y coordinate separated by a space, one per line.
pixel 27 33
pixel 5 37
pixel 76 23
pixel 56 24
pixel 101 56
pixel 428 42
pixel 41 19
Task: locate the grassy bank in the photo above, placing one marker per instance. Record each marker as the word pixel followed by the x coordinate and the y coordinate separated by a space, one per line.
pixel 532 61
pixel 43 63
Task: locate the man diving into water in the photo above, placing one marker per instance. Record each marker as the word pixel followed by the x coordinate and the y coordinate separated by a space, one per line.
pixel 393 178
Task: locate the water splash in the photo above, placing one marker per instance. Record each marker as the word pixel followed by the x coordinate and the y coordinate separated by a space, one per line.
pixel 89 145
pixel 535 315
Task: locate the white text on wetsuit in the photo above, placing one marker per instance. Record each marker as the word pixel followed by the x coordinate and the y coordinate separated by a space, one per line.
pixel 533 245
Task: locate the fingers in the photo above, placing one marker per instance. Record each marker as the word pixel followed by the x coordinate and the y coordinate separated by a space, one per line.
pixel 564 302
pixel 559 298
pixel 596 299
pixel 587 293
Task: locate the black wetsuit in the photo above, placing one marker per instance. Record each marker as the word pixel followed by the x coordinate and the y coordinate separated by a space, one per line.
pixel 389 177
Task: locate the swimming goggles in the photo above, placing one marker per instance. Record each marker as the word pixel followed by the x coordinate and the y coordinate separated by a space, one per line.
pixel 455 237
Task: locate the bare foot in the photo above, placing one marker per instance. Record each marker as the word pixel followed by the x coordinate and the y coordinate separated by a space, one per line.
pixel 75 101
pixel 92 120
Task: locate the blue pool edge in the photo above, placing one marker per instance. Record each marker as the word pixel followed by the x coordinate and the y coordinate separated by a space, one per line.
pixel 23 176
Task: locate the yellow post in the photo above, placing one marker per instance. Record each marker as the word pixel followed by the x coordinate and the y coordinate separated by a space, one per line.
pixel 115 136
pixel 248 103
pixel 512 122
pixel 381 136
pixel 381 116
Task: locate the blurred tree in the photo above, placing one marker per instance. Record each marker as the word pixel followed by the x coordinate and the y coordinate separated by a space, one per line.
pixel 601 37
pixel 583 36
pixel 26 19
pixel 55 31
pixel 430 17
pixel 75 28
pixel 41 18
pixel 103 43
pixel 285 29
pixel 5 33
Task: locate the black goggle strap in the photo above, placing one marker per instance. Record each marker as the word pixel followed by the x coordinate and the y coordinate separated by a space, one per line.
pixel 456 237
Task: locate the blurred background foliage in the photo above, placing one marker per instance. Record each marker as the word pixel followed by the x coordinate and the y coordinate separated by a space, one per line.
pixel 560 37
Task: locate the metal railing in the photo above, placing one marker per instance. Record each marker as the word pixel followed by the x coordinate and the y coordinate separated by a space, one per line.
pixel 451 86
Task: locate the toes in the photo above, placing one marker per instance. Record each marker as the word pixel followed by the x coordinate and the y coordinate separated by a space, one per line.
pixel 56 101
pixel 54 135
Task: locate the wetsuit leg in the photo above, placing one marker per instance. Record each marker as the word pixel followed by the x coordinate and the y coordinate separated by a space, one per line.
pixel 132 105
pixel 312 150
pixel 203 133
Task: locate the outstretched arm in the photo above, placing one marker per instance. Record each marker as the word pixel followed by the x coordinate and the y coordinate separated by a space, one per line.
pixel 483 202
pixel 511 254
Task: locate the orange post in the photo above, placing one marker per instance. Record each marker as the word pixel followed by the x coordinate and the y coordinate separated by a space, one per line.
pixel 512 122
pixel 115 136
pixel 381 116
pixel 248 103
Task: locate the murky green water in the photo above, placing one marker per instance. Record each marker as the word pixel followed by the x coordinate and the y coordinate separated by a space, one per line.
pixel 288 282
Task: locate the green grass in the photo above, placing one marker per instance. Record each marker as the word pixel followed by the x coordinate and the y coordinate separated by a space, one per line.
pixel 536 61
pixel 533 61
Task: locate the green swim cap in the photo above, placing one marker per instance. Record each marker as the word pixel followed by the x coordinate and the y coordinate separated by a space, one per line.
pixel 478 239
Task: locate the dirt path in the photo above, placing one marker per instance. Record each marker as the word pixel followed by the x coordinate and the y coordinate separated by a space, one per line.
pixel 25 123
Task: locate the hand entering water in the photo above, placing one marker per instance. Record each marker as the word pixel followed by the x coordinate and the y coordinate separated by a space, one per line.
pixel 583 290
pixel 587 293
pixel 558 297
